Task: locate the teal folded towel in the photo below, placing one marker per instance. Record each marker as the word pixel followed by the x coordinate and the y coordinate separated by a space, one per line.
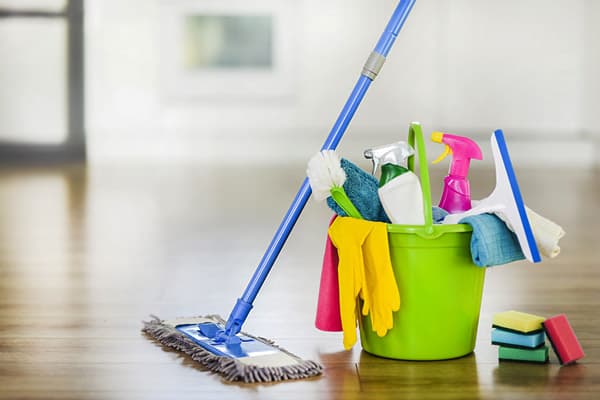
pixel 361 188
pixel 492 243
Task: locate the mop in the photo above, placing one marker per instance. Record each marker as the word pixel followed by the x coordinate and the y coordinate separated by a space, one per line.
pixel 220 345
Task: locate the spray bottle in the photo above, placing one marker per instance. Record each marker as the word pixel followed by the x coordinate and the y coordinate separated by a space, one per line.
pixel 456 196
pixel 399 188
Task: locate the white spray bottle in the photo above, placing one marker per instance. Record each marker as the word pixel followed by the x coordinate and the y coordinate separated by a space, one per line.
pixel 399 188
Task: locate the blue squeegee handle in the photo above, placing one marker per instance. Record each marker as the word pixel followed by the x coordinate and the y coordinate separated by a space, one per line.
pixel 370 70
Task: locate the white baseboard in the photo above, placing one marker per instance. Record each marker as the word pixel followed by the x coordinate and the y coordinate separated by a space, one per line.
pixel 580 153
pixel 529 153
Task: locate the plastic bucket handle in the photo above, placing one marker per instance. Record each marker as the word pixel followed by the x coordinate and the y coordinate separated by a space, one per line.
pixel 415 133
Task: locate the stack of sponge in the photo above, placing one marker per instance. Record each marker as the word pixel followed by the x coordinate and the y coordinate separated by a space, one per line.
pixel 522 337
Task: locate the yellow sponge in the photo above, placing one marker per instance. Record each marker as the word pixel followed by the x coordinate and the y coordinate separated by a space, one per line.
pixel 518 321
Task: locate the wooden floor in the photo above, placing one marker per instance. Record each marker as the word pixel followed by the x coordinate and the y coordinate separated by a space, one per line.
pixel 87 254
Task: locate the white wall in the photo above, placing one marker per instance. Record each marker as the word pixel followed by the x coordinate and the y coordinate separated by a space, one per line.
pixel 591 56
pixel 467 66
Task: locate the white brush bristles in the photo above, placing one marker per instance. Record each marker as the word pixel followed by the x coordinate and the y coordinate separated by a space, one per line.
pixel 325 172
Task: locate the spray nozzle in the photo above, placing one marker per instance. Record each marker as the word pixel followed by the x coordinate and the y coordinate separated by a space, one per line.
pixel 437 137
pixel 394 153
pixel 462 148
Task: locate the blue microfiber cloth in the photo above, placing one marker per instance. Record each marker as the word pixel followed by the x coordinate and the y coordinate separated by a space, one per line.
pixel 361 188
pixel 492 243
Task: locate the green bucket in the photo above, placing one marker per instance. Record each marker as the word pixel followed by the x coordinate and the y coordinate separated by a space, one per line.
pixel 440 287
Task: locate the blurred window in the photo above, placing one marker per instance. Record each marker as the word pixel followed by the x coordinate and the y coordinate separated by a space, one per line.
pixel 228 41
pixel 41 76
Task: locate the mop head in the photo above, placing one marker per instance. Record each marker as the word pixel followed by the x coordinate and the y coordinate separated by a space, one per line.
pixel 361 188
pixel 259 360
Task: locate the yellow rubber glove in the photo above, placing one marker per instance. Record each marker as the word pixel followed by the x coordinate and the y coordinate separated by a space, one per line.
pixel 348 237
pixel 365 272
pixel 380 280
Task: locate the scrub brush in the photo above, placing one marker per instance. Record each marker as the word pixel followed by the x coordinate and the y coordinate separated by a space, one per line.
pixel 326 178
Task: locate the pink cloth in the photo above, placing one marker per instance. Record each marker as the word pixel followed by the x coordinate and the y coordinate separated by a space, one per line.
pixel 328 308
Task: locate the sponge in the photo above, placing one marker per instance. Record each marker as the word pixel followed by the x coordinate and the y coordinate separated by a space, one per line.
pixel 514 339
pixel 539 355
pixel 563 339
pixel 518 321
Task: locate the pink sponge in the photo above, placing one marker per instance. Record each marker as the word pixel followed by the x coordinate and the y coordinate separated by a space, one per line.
pixel 563 339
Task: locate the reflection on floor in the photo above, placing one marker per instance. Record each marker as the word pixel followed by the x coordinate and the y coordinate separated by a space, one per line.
pixel 87 253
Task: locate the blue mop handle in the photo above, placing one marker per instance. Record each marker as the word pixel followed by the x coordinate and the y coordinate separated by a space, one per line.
pixel 370 70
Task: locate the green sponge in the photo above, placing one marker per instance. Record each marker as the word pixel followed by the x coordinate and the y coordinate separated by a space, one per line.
pixel 518 321
pixel 539 355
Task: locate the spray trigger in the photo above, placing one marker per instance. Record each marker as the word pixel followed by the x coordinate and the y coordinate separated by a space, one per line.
pixel 447 151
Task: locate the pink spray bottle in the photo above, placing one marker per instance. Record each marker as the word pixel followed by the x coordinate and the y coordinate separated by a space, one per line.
pixel 456 196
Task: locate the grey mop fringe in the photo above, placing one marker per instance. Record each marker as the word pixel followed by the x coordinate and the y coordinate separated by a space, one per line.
pixel 230 368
